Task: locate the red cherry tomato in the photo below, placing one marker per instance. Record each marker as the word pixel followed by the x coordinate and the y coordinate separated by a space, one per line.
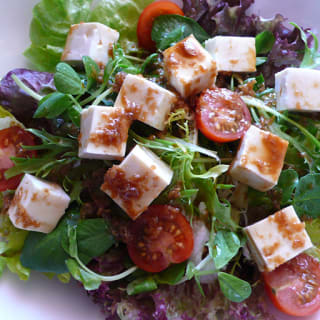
pixel 221 115
pixel 294 287
pixel 11 141
pixel 160 236
pixel 147 17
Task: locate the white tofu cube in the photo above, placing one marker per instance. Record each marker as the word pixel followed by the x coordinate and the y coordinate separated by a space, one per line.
pixel 298 89
pixel 91 39
pixel 189 67
pixel 103 133
pixel 259 160
pixel 236 54
pixel 147 101
pixel 277 239
pixel 137 181
pixel 37 205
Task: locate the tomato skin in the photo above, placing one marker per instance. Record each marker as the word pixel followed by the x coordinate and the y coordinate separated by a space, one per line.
pixel 160 236
pixel 221 115
pixel 294 287
pixel 11 140
pixel 147 17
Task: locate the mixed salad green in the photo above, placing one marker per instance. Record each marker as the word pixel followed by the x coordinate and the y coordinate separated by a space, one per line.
pixel 219 279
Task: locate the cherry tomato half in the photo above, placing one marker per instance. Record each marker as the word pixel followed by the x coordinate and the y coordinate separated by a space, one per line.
pixel 11 141
pixel 294 287
pixel 221 115
pixel 147 17
pixel 160 236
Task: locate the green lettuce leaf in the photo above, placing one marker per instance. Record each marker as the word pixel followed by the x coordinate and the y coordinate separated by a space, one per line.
pixel 52 20
pixel 49 29
pixel 10 248
pixel 313 229
pixel 122 15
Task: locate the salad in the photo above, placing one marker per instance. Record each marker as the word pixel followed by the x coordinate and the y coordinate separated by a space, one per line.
pixel 156 212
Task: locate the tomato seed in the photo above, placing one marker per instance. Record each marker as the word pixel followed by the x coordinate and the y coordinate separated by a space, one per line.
pixel 180 244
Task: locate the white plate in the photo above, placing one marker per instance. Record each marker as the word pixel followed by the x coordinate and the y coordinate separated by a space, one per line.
pixel 41 298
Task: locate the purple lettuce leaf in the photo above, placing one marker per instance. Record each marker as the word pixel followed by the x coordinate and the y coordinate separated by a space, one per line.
pixel 180 302
pixel 195 9
pixel 254 308
pixel 18 102
pixel 228 17
pixel 185 302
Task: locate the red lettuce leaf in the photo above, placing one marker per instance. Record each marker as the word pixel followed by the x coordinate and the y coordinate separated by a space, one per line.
pixel 18 102
pixel 229 17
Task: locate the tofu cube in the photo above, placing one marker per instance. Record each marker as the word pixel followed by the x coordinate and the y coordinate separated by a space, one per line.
pixel 91 39
pixel 277 239
pixel 259 160
pixel 236 54
pixel 137 181
pixel 147 101
pixel 103 133
pixel 298 89
pixel 37 205
pixel 189 67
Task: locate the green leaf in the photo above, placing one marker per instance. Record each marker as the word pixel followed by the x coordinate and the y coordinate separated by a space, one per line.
pixel 51 141
pixel 93 239
pixel 287 183
pixel 81 272
pixel 74 114
pixel 264 42
pixel 72 246
pixel 191 270
pixel 5 113
pixel 121 15
pixel 43 252
pixel 307 197
pixel 92 71
pixel 150 60
pixel 311 58
pixel 10 248
pixel 42 165
pixel 172 38
pixel 226 246
pixel 213 172
pixel 233 288
pixel 222 211
pixel 44 58
pixel 3 263
pixel 38 166
pixel 261 60
pixel 171 275
pixel 52 105
pixel 73 268
pixel 49 29
pixel 15 266
pixel 175 28
pixel 15 241
pixel 313 229
pixel 64 277
pixel 67 80
pixel 89 282
pixel 141 285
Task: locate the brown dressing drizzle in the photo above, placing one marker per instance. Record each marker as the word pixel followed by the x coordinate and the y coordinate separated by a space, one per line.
pixel 128 189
